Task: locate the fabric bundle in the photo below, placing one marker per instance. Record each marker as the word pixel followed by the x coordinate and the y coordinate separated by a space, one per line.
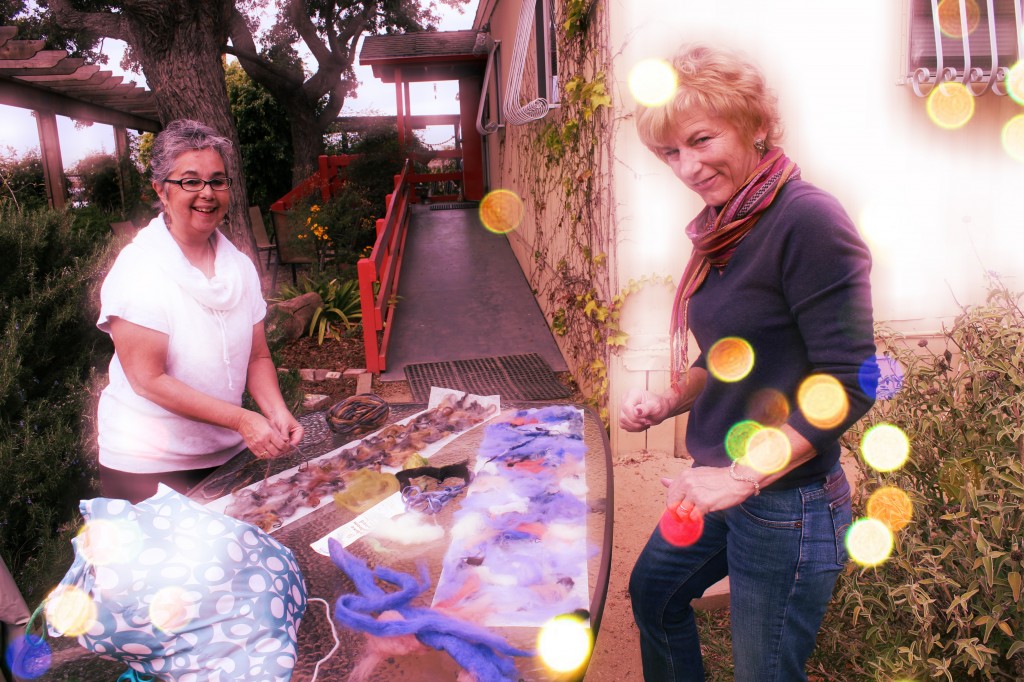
pixel 175 590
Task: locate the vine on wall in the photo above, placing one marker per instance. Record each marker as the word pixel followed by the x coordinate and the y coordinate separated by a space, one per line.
pixel 561 166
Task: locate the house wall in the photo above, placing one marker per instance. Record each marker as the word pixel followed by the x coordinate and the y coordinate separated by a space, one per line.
pixel 937 207
pixel 563 242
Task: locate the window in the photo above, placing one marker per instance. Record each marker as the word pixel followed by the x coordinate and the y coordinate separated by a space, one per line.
pixel 536 31
pixel 939 50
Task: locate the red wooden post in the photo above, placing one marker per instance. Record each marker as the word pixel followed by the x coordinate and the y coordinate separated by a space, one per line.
pixel 472 145
pixel 367 277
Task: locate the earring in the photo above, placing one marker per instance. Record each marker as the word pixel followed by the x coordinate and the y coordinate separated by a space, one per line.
pixel 760 147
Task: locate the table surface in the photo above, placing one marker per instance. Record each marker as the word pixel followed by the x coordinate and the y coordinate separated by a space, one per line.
pixel 326 581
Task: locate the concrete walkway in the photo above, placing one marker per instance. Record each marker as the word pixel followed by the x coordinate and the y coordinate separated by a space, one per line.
pixel 462 295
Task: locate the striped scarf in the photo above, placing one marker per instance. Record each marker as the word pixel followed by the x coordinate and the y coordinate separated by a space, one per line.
pixel 715 236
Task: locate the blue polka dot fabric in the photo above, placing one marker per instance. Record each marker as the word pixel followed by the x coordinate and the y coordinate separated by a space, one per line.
pixel 188 594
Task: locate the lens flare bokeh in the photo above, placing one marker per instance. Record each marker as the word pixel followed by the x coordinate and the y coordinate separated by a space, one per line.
pixel 28 657
pixel 501 211
pixel 652 82
pixel 103 542
pixel 869 542
pixel 885 447
pixel 1015 82
pixel 890 377
pixel 737 439
pixel 823 401
pixel 769 407
pixel 892 507
pixel 730 359
pixel 564 643
pixel 70 611
pixel 1013 137
pixel 768 451
pixel 169 609
pixel 950 105
pixel 949 17
pixel 680 530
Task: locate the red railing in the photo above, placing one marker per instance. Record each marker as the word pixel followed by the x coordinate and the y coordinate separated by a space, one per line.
pixel 378 273
pixel 328 178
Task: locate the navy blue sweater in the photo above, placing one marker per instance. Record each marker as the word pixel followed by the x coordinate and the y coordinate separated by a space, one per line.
pixel 797 289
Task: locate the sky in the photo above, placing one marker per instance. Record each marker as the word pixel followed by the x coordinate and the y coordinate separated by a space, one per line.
pixel 18 132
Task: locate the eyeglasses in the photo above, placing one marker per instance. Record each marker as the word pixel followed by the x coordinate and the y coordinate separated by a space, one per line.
pixel 197 185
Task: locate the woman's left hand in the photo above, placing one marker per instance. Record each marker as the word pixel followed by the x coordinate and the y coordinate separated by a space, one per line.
pixel 699 490
pixel 288 426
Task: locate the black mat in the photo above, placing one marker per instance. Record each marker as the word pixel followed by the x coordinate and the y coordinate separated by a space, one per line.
pixel 454 205
pixel 513 377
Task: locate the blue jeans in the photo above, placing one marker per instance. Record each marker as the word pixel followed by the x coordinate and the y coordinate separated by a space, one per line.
pixel 782 551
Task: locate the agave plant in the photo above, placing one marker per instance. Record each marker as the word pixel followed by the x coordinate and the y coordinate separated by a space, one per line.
pixel 340 310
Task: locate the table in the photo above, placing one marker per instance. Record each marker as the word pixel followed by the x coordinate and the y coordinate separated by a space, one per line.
pixel 326 581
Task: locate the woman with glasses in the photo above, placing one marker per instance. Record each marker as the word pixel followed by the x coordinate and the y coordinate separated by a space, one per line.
pixel 185 311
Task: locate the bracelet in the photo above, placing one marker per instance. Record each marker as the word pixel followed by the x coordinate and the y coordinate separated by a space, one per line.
pixel 746 479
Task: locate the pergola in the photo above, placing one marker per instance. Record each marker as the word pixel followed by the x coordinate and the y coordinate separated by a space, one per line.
pixel 436 56
pixel 49 82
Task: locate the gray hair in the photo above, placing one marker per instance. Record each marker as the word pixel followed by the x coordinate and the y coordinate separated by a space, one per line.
pixel 180 136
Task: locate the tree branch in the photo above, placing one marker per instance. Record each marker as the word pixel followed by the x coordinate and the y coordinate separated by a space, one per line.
pixel 104 24
pixel 266 73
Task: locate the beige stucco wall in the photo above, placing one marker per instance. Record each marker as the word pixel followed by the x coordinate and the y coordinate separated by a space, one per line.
pixel 936 206
pixel 541 242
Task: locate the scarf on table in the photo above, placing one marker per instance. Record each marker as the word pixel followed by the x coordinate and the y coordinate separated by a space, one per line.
pixel 716 233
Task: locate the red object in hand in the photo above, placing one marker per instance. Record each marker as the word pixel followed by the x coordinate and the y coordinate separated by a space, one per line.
pixel 680 530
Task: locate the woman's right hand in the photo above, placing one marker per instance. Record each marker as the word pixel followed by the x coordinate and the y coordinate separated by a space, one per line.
pixel 642 409
pixel 261 437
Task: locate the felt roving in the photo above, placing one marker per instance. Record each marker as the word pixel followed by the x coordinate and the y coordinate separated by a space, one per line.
pixel 479 651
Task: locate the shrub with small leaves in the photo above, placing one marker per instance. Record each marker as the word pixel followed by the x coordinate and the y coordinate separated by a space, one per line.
pixel 48 352
pixel 947 604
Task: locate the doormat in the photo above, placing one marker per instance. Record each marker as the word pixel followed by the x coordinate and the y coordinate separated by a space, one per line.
pixel 453 205
pixel 513 377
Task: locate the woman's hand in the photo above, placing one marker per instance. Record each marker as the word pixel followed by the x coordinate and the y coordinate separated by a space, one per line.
pixel 289 426
pixel 643 409
pixel 263 438
pixel 699 490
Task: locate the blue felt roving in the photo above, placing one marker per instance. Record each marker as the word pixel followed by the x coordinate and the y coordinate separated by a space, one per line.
pixel 235 595
pixel 476 649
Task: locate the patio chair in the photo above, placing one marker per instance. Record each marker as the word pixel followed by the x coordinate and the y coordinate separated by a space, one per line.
pixel 259 231
pixel 289 251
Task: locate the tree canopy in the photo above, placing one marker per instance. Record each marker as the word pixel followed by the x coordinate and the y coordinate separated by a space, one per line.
pixel 330 31
pixel 179 47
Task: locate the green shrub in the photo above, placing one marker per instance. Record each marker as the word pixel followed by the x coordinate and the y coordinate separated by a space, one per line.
pixel 264 137
pixel 947 604
pixel 48 351
pixel 113 190
pixel 334 233
pixel 22 184
pixel 378 160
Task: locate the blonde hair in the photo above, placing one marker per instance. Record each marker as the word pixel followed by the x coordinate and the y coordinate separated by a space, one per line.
pixel 719 82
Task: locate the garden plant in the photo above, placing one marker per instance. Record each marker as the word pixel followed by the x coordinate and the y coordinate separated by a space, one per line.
pixel 947 603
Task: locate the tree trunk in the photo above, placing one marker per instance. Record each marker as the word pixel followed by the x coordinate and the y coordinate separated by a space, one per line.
pixel 179 48
pixel 307 138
